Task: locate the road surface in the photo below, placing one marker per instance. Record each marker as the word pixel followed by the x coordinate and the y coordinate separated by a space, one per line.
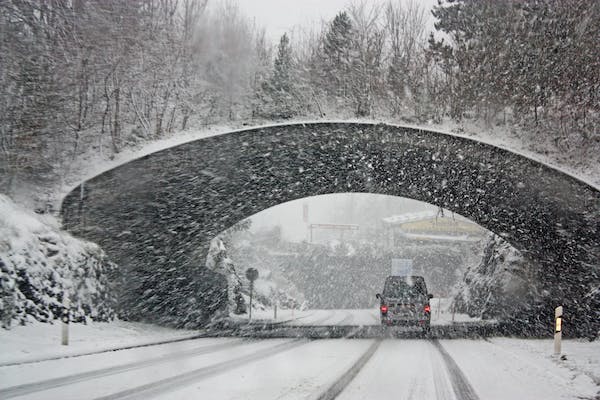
pixel 233 368
pixel 441 314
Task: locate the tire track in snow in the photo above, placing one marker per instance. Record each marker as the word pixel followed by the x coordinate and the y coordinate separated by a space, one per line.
pixel 177 381
pixel 20 390
pixel 461 386
pixel 441 379
pixel 340 384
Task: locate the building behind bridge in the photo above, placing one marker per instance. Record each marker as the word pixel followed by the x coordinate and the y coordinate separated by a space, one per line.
pixel 430 227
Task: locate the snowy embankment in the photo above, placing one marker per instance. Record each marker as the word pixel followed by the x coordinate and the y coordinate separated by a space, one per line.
pixel 529 368
pixel 40 264
pixel 499 285
pixel 39 341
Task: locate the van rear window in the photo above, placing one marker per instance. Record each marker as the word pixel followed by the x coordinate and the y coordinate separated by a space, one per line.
pixel 404 288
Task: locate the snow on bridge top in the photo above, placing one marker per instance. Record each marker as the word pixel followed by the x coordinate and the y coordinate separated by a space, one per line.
pixel 92 166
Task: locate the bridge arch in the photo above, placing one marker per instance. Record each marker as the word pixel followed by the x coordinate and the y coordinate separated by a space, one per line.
pixel 161 208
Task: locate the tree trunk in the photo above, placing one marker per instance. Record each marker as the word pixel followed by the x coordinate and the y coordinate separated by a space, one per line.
pixel 116 131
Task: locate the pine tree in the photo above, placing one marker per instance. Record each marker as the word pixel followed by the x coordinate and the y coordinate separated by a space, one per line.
pixel 337 50
pixel 282 81
pixel 278 93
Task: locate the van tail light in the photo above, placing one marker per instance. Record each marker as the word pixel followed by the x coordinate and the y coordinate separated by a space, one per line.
pixel 383 308
pixel 427 308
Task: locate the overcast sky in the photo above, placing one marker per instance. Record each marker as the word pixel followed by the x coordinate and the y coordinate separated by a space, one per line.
pixel 280 16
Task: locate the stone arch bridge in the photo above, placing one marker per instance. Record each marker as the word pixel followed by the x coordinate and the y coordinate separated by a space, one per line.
pixel 155 215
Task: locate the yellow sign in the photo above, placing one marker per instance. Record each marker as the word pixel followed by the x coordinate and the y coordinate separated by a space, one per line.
pixel 558 324
pixel 444 225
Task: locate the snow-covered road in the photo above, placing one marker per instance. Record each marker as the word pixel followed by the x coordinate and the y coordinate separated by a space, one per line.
pixel 230 368
pixel 440 315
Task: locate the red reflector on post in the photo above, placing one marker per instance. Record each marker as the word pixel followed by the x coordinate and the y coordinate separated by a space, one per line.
pixel 383 309
pixel 427 308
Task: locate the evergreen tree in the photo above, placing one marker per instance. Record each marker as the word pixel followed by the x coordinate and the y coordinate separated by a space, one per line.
pixel 282 81
pixel 336 58
pixel 278 93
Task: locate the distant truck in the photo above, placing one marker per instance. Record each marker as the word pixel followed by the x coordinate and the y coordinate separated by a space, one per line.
pixel 405 302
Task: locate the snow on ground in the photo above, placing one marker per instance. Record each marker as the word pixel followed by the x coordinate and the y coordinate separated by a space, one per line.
pixel 267 315
pixel 441 314
pixel 299 373
pixel 34 372
pixel 581 356
pixel 522 369
pixel 108 383
pixel 402 369
pixel 229 368
pixel 38 341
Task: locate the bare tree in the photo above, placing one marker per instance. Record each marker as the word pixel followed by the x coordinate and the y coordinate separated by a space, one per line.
pixel 367 61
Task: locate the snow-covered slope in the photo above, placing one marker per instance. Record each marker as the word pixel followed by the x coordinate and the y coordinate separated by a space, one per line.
pixel 39 263
pixel 498 285
pixel 266 290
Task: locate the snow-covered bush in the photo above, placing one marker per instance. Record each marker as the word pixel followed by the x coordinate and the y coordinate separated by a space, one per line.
pixel 522 295
pixel 39 264
pixel 498 285
pixel 218 261
pixel 266 290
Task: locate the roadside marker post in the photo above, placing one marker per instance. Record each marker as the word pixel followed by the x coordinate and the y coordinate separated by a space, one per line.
pixel 65 320
pixel 558 314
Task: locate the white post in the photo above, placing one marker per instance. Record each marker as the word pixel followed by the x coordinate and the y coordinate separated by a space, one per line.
pixel 65 320
pixel 274 310
pixel 558 313
pixel 250 309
